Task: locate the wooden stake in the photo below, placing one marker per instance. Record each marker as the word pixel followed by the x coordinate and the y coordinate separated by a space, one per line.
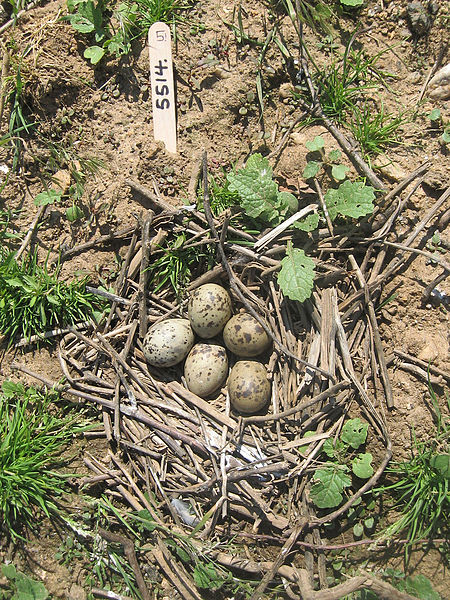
pixel 161 79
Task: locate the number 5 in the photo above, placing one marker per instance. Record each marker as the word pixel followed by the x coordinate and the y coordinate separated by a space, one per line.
pixel 161 36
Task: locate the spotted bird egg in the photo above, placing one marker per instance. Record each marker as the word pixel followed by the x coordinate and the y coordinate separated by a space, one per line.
pixel 248 387
pixel 168 342
pixel 244 336
pixel 209 309
pixel 205 369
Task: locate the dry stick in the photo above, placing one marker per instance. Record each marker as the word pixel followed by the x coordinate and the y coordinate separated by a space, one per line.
pixel 431 286
pixel 108 594
pixel 233 280
pixel 143 278
pixel 178 578
pixel 376 334
pixel 128 548
pixel 5 67
pixel 49 334
pixel 323 204
pixel 30 231
pixel 384 590
pixel 281 558
pixel 103 239
pixel 278 230
pixel 125 410
pixel 437 259
pixel 397 262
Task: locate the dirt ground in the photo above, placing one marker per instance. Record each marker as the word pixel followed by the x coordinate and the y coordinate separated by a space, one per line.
pixel 104 112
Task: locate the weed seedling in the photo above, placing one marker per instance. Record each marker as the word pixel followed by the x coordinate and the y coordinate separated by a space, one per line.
pixel 375 130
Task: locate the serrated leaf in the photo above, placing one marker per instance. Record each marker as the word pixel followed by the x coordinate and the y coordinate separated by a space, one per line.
pixel 296 277
pixel 50 196
pixel 257 191
pixel 94 54
pixel 334 155
pixel 309 223
pixel 311 169
pixel 358 530
pixel 316 144
pixel 354 432
pixel 350 199
pixel 332 480
pixel 361 466
pixel 339 172
pixel 328 448
pixel 441 463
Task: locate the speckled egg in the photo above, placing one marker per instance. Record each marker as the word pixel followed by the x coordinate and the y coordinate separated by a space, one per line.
pixel 168 342
pixel 209 309
pixel 248 387
pixel 206 368
pixel 244 336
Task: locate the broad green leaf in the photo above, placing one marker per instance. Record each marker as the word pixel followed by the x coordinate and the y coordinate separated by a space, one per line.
pixel 435 114
pixel 352 2
pixel 296 277
pixel 10 389
pixel 182 554
pixel 206 576
pixel 358 530
pixel 441 463
pixel 74 213
pixel 369 523
pixel 334 155
pixel 94 54
pixel 354 432
pixel 309 223
pixel 446 136
pixel 316 144
pixel 361 466
pixel 257 191
pixel 328 448
pixel 332 480
pixel 288 202
pixel 339 172
pixel 420 587
pixel 50 196
pixel 311 169
pixel 9 571
pixel 350 200
pixel 28 589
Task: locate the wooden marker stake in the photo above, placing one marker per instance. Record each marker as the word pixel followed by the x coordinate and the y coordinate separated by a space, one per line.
pixel 161 79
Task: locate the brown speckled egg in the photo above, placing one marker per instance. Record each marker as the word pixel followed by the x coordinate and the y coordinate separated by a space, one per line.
pixel 209 309
pixel 168 342
pixel 248 387
pixel 206 368
pixel 244 336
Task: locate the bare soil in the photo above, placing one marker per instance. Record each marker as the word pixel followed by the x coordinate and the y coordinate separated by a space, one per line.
pixel 117 129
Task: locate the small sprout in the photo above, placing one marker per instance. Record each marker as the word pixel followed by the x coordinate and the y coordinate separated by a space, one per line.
pixel 446 135
pixel 311 169
pixel 338 172
pixel 316 145
pixel 334 155
pixel 435 115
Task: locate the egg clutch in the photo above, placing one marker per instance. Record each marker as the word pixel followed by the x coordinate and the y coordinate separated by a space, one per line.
pixel 206 367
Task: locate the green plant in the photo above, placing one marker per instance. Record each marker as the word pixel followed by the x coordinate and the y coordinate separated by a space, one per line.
pixel 375 130
pixel 328 162
pixel 22 587
pixel 421 484
pixel 168 11
pixel 32 300
pixel 417 586
pixel 175 264
pixel 33 434
pixel 259 195
pixel 111 35
pixel 332 478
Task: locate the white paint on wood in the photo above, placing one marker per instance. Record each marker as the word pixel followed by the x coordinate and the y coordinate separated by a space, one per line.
pixel 161 79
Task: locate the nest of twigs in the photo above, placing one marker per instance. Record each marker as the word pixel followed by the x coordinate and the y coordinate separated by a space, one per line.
pixel 194 463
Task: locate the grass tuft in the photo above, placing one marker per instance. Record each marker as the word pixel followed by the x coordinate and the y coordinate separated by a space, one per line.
pixel 33 301
pixel 33 433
